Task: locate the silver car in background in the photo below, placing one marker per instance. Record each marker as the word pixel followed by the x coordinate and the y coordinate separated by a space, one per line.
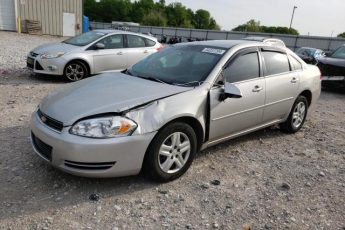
pixel 92 53
pixel 160 112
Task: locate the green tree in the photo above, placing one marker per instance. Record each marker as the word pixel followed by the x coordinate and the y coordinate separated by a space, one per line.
pixel 250 26
pixel 177 15
pixel 148 12
pixel 254 26
pixel 154 18
pixel 342 35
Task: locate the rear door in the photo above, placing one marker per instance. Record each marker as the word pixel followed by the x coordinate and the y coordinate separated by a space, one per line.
pixel 113 57
pixel 137 48
pixel 234 115
pixel 282 83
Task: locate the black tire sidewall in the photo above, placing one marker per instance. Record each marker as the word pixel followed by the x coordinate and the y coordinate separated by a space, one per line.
pixel 290 120
pixel 79 63
pixel 151 160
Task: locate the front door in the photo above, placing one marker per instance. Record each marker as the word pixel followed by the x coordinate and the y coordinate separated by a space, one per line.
pixel 234 115
pixel 113 57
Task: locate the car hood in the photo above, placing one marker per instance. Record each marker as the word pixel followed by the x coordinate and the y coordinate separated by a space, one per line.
pixel 332 61
pixel 51 48
pixel 105 93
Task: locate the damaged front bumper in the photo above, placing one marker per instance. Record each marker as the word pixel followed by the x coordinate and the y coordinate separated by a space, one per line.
pixel 81 156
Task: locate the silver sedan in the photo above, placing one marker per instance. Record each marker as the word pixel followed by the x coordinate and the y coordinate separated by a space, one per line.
pixel 92 53
pixel 159 113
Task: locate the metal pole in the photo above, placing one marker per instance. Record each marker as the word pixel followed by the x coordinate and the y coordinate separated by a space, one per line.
pixel 293 13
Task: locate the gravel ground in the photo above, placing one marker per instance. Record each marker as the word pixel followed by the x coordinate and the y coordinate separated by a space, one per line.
pixel 267 180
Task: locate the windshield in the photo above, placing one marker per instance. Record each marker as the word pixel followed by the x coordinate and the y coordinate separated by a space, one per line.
pixel 306 52
pixel 84 39
pixel 187 65
pixel 339 53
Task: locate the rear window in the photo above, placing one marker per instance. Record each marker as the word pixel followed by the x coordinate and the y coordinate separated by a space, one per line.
pixel 150 43
pixel 296 65
pixel 276 62
pixel 135 41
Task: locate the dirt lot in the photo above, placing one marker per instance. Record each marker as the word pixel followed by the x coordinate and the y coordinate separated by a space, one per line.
pixel 268 180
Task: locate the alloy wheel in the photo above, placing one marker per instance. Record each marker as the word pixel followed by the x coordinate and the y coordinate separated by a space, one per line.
pixel 174 152
pixel 298 114
pixel 75 72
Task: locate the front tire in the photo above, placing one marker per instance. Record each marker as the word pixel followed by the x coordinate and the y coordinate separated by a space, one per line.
pixel 75 71
pixel 171 152
pixel 297 116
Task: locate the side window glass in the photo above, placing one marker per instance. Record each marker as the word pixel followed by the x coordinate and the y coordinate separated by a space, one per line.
pixel 150 43
pixel 276 62
pixel 135 41
pixel 113 42
pixel 296 65
pixel 243 68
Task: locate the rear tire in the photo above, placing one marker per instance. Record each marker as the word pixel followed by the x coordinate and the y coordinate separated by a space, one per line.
pixel 75 71
pixel 297 116
pixel 171 152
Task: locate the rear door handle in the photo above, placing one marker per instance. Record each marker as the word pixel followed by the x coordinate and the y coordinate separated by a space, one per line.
pixel 294 80
pixel 146 51
pixel 257 89
pixel 120 53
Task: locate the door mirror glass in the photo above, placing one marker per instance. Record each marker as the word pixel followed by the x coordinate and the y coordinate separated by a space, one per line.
pixel 230 91
pixel 100 46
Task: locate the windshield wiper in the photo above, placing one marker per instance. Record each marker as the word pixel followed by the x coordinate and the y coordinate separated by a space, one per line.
pixel 192 83
pixel 127 71
pixel 155 79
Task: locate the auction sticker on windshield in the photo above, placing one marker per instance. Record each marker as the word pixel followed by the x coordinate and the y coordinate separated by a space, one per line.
pixel 213 51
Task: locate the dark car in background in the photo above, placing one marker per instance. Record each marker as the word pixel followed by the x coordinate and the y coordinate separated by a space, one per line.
pixel 310 55
pixel 332 68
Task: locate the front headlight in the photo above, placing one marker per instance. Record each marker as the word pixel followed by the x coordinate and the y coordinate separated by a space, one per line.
pixel 104 127
pixel 50 56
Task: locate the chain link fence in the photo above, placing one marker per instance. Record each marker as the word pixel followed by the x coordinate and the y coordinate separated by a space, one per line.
pixel 291 41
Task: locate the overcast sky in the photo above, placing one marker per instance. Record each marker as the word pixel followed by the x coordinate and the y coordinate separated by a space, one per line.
pixel 316 17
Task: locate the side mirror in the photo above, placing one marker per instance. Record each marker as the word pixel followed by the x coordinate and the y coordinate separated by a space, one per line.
pixel 100 46
pixel 230 91
pixel 327 53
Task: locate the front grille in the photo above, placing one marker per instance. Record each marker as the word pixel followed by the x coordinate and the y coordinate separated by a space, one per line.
pixel 89 166
pixel 52 123
pixel 38 66
pixel 42 148
pixel 33 54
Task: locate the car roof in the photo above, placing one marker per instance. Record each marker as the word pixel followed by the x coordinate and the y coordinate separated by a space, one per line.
pixel 110 31
pixel 309 48
pixel 227 44
pixel 261 39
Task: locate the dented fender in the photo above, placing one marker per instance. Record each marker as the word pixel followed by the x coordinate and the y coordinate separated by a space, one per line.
pixel 153 116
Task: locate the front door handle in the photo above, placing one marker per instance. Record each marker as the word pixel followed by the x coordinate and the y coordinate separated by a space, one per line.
pixel 294 80
pixel 120 53
pixel 257 88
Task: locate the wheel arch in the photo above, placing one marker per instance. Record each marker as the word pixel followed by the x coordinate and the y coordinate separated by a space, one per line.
pixel 307 93
pixel 86 63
